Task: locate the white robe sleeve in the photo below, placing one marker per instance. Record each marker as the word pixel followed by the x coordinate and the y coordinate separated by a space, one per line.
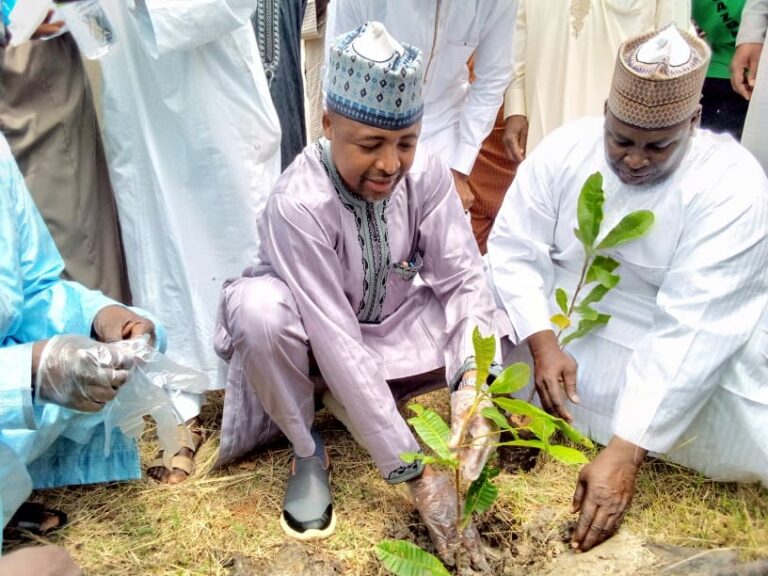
pixel 754 22
pixel 169 25
pixel 520 245
pixel 707 308
pixel 514 97
pixel 493 70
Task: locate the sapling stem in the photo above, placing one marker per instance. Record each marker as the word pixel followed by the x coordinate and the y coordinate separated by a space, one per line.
pixel 579 286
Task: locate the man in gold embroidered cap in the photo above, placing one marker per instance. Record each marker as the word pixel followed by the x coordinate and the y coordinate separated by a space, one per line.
pixel 331 306
pixel 679 368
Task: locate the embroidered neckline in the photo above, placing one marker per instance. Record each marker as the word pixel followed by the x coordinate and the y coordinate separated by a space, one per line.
pixel 266 20
pixel 373 236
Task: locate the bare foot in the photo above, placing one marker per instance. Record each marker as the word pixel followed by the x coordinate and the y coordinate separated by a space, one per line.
pixel 183 462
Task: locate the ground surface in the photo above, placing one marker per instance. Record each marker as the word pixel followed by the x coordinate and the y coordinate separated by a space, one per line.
pixel 225 522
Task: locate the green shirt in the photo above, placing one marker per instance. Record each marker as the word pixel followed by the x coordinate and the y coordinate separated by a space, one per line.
pixel 719 20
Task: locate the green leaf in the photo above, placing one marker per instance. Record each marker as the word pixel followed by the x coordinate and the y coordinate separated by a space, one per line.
pixel 485 351
pixel 587 312
pixel 595 295
pixel 521 407
pixel 427 459
pixel 600 271
pixel 585 326
pixel 561 321
pixel 524 443
pixel 495 416
pixel 517 406
pixel 589 209
pixel 572 434
pixel 561 296
pixel 543 428
pixel 514 378
pixel 631 227
pixel 406 559
pixel 481 494
pixel 432 429
pixel 566 455
pixel 600 265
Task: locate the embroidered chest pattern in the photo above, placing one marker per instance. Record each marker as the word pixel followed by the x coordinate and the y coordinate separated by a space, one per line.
pixel 579 11
pixel 372 234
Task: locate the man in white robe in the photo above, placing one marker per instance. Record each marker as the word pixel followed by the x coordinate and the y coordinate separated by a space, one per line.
pixel 332 304
pixel 680 368
pixel 564 51
pixel 192 140
pixel 749 76
pixel 457 115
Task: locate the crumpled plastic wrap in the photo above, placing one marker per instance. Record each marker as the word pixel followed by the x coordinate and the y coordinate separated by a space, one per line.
pixel 148 393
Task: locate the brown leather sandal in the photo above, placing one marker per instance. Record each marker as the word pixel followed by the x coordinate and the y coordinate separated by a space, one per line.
pixel 189 436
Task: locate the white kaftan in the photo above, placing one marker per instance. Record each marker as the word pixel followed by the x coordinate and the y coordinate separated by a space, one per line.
pixel 754 24
pixel 681 367
pixel 192 140
pixel 457 116
pixel 565 53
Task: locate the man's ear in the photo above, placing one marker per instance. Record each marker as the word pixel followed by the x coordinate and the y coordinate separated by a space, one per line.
pixel 696 119
pixel 327 125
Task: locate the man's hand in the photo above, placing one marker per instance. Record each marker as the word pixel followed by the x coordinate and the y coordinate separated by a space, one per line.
pixel 114 323
pixel 461 181
pixel 479 432
pixel 435 498
pixel 48 28
pixel 516 136
pixel 554 373
pixel 744 68
pixel 82 374
pixel 604 492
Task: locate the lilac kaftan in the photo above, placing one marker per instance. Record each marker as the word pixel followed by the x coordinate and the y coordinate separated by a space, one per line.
pixel 336 274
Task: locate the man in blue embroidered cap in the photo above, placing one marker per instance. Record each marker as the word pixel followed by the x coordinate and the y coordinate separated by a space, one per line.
pixel 331 306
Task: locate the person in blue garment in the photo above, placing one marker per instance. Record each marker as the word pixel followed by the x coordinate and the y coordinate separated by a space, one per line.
pixel 64 352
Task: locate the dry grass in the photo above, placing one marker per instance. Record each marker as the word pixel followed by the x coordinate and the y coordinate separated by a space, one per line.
pixel 204 525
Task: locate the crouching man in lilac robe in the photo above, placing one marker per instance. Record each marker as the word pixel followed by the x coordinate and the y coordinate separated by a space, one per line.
pixel 350 225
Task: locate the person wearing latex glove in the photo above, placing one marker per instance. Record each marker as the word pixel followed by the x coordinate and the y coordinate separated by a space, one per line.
pixel 367 289
pixel 472 435
pixel 64 350
pixel 435 498
pixel 83 374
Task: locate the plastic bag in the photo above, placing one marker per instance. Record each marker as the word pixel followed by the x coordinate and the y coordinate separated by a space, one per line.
pixel 148 393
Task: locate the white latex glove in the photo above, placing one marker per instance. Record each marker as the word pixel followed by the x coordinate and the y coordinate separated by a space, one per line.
pixel 481 433
pixel 82 374
pixel 435 498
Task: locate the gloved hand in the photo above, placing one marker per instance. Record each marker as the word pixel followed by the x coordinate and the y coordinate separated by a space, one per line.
pixel 480 434
pixel 435 498
pixel 82 374
pixel 116 322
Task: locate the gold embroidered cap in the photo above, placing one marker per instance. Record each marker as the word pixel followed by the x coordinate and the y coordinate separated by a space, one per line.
pixel 658 78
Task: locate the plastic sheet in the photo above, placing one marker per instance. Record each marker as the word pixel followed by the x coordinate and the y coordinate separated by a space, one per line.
pixel 147 393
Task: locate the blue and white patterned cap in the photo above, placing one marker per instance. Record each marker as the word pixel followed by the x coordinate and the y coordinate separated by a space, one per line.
pixel 374 79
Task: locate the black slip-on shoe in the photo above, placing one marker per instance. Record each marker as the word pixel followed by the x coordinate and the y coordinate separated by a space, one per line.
pixel 308 505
